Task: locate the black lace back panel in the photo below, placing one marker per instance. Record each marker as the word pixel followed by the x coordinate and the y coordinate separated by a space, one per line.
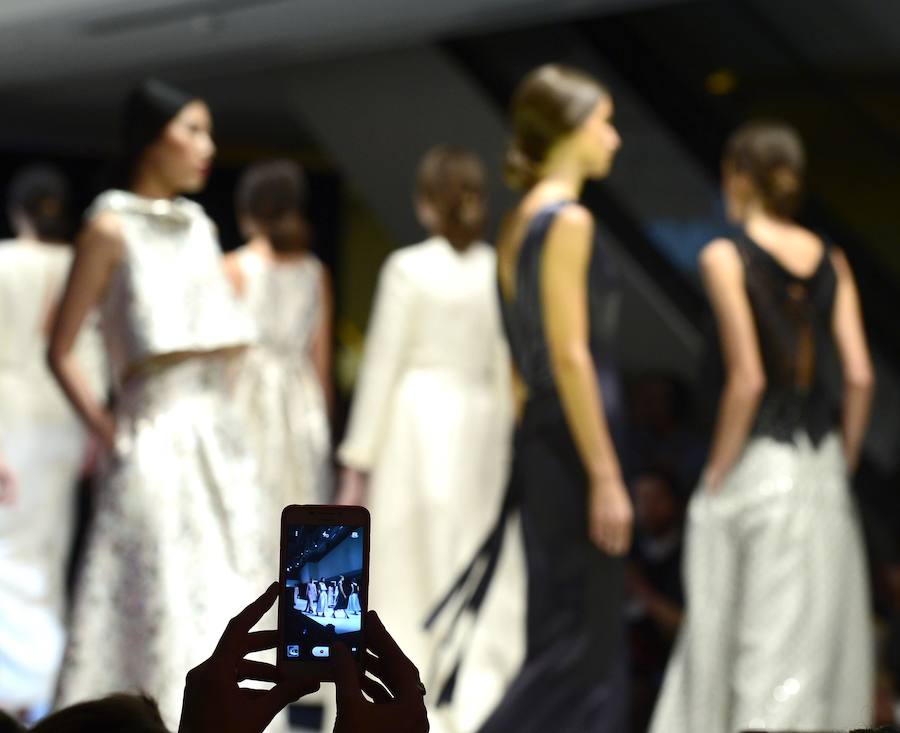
pixel 523 318
pixel 793 322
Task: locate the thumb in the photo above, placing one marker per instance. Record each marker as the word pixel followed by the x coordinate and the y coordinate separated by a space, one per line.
pixel 286 692
pixel 346 678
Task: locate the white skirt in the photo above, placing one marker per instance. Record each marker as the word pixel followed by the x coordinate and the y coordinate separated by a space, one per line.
pixel 777 633
pixel 173 549
pixel 35 540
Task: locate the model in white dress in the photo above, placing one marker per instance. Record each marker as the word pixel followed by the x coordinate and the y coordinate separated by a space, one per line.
pixel 279 393
pixel 44 445
pixel 167 561
pixel 430 425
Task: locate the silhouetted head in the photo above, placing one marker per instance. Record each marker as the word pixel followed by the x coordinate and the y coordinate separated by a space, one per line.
pixel 656 502
pixel 37 203
pixel 113 714
pixel 271 201
pixel 561 112
pixel 451 194
pixel 167 138
pixel 8 724
pixel 763 164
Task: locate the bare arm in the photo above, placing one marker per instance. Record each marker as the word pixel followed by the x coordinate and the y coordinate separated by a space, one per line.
pixel 98 251
pixel 8 485
pixel 745 382
pixel 564 296
pixel 321 345
pixel 856 363
pixel 233 272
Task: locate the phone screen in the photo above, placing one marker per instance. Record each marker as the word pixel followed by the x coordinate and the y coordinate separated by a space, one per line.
pixel 324 589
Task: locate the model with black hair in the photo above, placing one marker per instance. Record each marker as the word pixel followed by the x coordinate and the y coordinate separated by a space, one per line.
pixel 166 561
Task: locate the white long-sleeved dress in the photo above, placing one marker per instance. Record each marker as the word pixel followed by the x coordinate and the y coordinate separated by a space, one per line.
pixel 431 423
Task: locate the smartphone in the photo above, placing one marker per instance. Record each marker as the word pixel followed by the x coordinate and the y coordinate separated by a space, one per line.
pixel 324 582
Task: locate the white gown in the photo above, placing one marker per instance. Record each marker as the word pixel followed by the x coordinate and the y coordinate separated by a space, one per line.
pixel 172 552
pixel 278 393
pixel 431 424
pixel 44 444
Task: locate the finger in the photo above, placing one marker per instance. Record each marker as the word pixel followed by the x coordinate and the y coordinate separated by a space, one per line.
pixel 346 679
pixel 241 624
pixel 375 690
pixel 271 702
pixel 257 641
pixel 248 669
pixel 399 674
pixel 374 665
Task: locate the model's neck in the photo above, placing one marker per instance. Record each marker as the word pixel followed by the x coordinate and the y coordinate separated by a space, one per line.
pixel 152 188
pixel 563 183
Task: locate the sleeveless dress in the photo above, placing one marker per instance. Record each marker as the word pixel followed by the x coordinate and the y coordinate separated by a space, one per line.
pixel 278 393
pixel 167 561
pixel 430 421
pixel 777 632
pixel 573 678
pixel 44 443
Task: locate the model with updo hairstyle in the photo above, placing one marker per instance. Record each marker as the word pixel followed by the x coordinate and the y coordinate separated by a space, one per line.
pixel 559 295
pixel 773 534
pixel 284 390
pixel 428 431
pixel 178 503
pixel 549 103
pixel 451 186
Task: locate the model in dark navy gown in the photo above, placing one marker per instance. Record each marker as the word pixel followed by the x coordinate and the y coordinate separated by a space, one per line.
pixel 559 306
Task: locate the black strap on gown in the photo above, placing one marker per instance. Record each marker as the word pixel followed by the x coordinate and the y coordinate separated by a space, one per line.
pixel 523 324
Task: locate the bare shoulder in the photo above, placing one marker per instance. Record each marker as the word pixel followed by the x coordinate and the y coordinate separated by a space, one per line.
pixel 574 219
pixel 720 255
pixel 102 237
pixel 839 261
pixel 571 234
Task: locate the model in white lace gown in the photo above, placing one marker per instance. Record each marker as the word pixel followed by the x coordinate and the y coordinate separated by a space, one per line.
pixel 44 445
pixel 430 429
pixel 281 391
pixel 777 633
pixel 170 554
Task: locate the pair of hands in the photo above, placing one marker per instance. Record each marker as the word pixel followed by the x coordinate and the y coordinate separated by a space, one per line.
pixel 214 702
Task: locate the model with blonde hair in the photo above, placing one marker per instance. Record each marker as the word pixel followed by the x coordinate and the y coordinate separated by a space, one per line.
pixel 559 299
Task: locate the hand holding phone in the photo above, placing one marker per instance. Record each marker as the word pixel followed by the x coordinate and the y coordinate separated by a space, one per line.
pixel 324 582
pixel 398 696
pixel 213 700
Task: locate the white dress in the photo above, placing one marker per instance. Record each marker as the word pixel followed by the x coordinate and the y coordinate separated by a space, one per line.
pixel 278 393
pixel 167 560
pixel 431 424
pixel 44 443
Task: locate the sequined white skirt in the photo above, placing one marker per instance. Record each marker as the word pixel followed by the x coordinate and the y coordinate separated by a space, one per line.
pixel 777 632
pixel 172 551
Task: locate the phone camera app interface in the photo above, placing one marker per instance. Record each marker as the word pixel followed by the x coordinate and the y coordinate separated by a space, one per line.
pixel 323 574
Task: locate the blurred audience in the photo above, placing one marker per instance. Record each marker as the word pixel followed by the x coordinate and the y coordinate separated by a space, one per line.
pixel 655 597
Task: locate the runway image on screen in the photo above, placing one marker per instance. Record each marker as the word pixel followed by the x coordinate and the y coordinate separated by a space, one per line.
pixel 323 588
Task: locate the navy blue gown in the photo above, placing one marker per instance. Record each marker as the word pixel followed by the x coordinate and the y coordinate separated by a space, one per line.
pixel 574 678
